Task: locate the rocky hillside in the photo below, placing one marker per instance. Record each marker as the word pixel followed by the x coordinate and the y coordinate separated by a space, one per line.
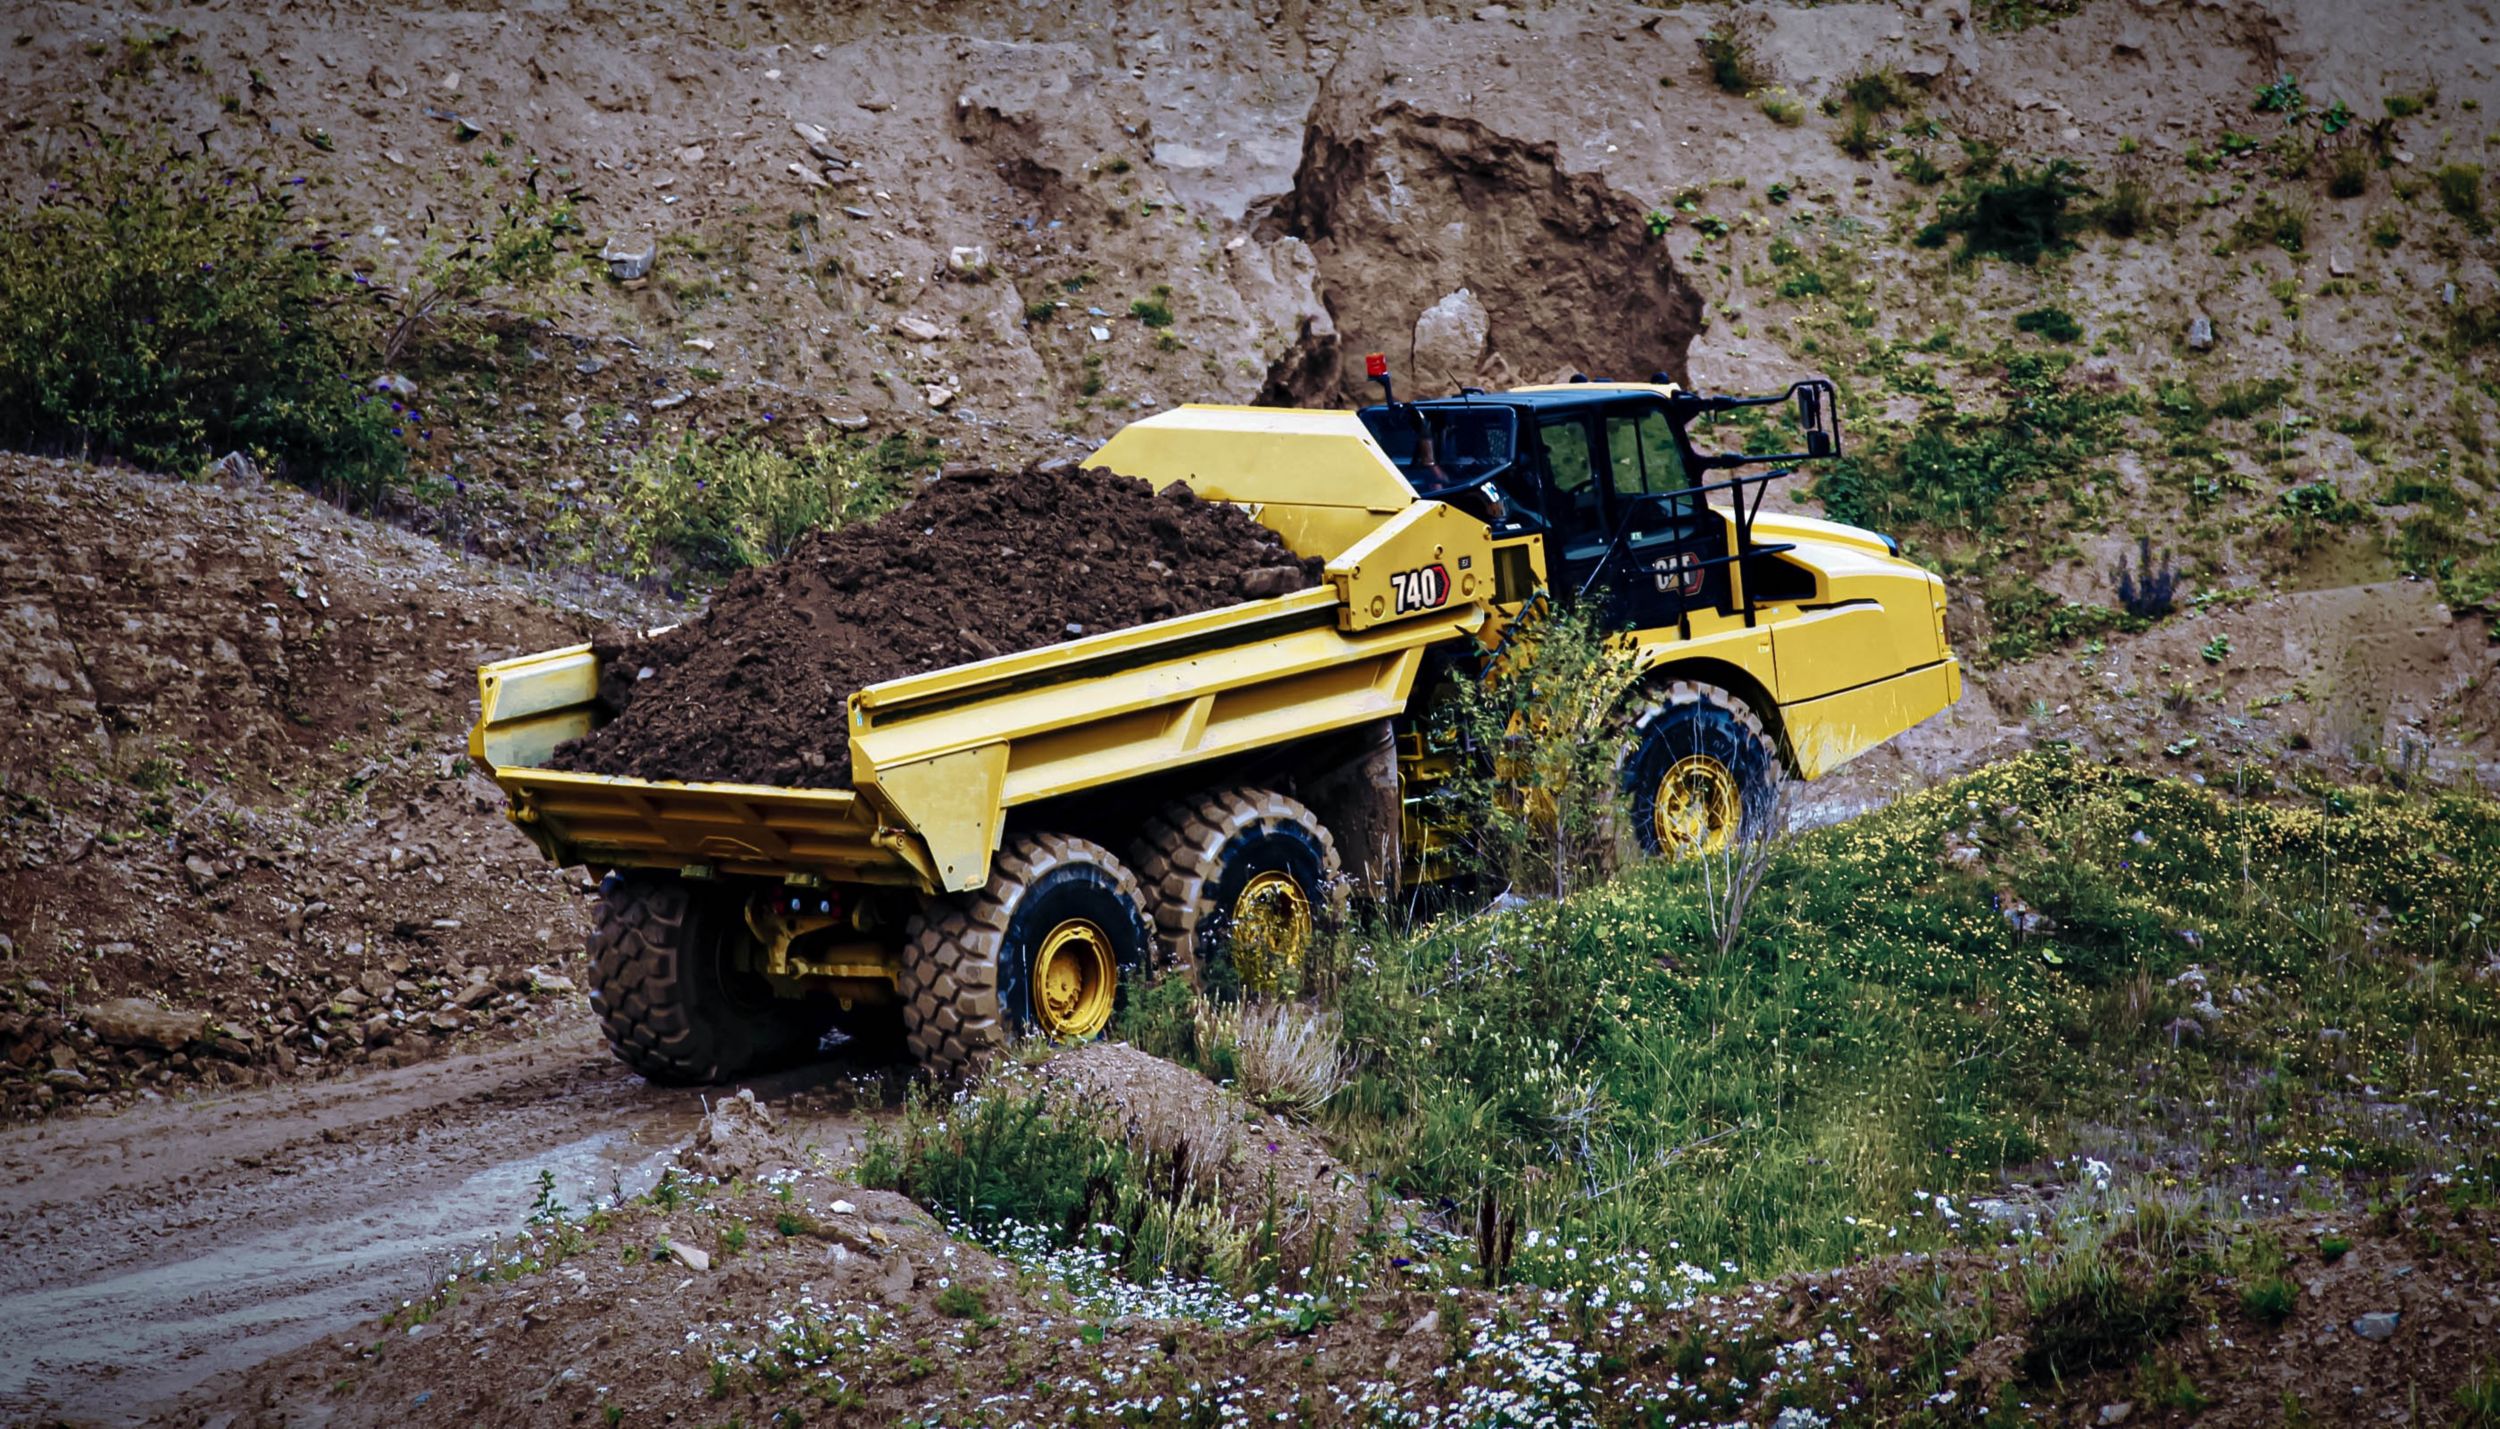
pixel 2204 292
pixel 242 837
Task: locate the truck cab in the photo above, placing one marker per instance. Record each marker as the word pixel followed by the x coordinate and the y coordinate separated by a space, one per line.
pixel 1607 477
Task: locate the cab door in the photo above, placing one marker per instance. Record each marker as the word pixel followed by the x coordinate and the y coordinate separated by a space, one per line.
pixel 1575 509
pixel 1668 560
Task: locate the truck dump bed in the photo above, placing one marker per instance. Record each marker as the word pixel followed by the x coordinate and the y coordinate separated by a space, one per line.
pixel 939 758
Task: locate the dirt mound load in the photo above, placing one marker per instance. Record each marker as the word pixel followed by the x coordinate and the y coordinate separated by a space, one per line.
pixel 752 692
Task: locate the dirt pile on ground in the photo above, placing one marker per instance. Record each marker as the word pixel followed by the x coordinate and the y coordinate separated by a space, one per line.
pixel 977 566
pixel 239 836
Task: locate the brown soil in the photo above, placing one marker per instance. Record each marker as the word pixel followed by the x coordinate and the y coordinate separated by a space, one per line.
pixel 753 691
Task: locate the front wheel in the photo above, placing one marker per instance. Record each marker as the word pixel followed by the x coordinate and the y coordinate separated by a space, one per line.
pixel 1702 772
pixel 1047 948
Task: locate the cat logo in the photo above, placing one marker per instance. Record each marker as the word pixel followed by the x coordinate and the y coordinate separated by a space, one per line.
pixel 1677 574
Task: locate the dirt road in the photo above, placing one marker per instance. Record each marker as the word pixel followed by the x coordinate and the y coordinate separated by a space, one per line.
pixel 142 1255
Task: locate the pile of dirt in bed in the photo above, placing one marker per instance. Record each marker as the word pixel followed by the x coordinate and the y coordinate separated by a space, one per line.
pixel 753 690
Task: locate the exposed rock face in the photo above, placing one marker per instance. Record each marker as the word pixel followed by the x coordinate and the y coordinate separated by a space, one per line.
pixel 1449 342
pixel 1403 207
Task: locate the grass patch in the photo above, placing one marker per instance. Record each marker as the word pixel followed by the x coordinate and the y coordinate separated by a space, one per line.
pixel 713 505
pixel 1957 469
pixel 2053 323
pixel 1785 109
pixel 1880 1027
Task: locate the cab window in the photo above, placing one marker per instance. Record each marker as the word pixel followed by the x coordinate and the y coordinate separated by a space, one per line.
pixel 1574 475
pixel 1662 462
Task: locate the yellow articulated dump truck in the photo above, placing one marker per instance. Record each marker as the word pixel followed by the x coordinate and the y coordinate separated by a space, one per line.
pixel 1027 837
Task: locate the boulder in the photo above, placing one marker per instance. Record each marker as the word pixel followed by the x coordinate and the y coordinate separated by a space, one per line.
pixel 1449 343
pixel 136 1022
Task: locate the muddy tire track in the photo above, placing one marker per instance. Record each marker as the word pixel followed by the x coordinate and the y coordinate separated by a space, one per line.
pixel 142 1254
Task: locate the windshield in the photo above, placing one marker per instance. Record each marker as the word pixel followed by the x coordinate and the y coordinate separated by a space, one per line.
pixel 1436 448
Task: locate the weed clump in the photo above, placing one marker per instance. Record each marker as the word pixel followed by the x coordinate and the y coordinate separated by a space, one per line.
pixel 2145 593
pixel 2018 214
pixel 1731 52
pixel 2051 322
pixel 2281 222
pixel 2460 189
pixel 2101 1317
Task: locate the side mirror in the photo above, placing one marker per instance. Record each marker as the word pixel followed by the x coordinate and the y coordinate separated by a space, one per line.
pixel 1818 416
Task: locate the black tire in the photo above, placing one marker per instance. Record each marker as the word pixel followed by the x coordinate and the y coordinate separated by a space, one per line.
pixel 1687 720
pixel 665 981
pixel 968 967
pixel 1199 856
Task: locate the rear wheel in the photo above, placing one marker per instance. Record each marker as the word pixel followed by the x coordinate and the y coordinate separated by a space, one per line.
pixel 1243 883
pixel 1702 772
pixel 676 997
pixel 1047 948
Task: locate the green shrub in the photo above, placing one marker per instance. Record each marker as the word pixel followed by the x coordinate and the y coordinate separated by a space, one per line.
pixel 1153 312
pixel 163 311
pixel 2460 189
pixel 2127 209
pixel 1858 136
pixel 1785 109
pixel 1878 90
pixel 1731 51
pixel 716 505
pixel 2019 214
pixel 2282 222
pixel 2405 106
pixel 1920 169
pixel 2054 323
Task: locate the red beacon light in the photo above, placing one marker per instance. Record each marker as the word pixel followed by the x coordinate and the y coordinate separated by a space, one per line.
pixel 1376 367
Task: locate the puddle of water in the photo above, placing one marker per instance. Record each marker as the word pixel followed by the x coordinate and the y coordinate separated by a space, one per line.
pixel 114 1345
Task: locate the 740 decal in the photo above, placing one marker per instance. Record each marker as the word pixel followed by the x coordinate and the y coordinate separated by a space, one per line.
pixel 1424 588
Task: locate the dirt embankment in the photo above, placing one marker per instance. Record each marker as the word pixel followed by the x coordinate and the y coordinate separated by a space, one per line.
pixel 977 566
pixel 240 838
pixel 1474 254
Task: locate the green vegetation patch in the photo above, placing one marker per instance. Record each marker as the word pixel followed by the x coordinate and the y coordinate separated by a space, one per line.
pixel 159 310
pixel 1957 469
pixel 1892 1020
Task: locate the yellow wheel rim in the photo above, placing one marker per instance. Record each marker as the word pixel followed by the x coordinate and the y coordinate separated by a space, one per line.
pixel 1698 807
pixel 1271 933
pixel 1076 981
